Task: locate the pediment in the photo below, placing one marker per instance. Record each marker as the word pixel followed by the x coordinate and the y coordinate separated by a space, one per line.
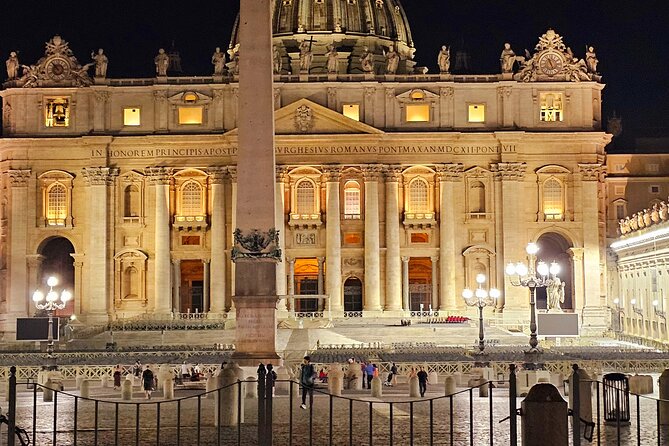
pixel 306 117
pixel 477 172
pixel 417 95
pixel 553 169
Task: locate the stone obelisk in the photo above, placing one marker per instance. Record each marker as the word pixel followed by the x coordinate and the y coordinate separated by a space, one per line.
pixel 256 243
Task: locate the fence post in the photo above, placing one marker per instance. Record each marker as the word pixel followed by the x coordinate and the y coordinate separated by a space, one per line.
pixel 575 381
pixel 261 404
pixel 513 426
pixel 269 394
pixel 11 426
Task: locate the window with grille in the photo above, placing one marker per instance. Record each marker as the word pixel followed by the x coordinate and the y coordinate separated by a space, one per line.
pixel 551 107
pixel 352 200
pixel 305 197
pixel 418 196
pixel 56 205
pixel 191 199
pixel 552 195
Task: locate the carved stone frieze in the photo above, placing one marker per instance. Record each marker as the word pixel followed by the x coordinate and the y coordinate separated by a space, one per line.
pixel 509 171
pixel 504 92
pixel 101 96
pixel 19 177
pixel 256 245
pixel 158 175
pixel 99 176
pixel 450 172
pixel 446 92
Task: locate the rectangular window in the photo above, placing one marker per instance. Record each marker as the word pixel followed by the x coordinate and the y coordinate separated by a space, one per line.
pixel 476 113
pixel 620 211
pixel 131 116
pixel 351 111
pixel 420 237
pixel 190 115
pixel 655 189
pixel 418 113
pixel 551 107
pixel 57 112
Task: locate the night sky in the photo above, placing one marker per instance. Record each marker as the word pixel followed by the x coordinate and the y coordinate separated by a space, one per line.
pixel 630 38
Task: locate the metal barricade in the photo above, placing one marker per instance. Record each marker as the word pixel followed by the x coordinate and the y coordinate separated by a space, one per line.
pixel 616 398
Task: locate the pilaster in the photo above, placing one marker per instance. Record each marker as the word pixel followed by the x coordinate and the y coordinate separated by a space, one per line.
pixel 372 301
pixel 217 176
pixel 333 277
pixel 393 264
pixel 17 275
pixel 160 179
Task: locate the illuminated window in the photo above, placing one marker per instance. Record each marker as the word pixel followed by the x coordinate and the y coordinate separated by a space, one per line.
pixel 551 107
pixel 552 198
pixel 190 115
pixel 418 196
pixel 305 197
pixel 57 112
pixel 352 200
pixel 56 205
pixel 131 201
pixel 131 116
pixel 351 111
pixel 191 199
pixel 476 113
pixel 417 95
pixel 418 112
pixel 420 237
pixel 190 98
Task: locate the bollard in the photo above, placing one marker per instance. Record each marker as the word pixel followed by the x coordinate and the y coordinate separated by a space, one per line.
pixel 164 372
pixel 663 384
pixel 354 375
pixel 544 417
pixel 78 380
pixel 282 386
pixel 414 391
pixel 126 390
pixel 252 387
pixel 449 385
pixel 47 391
pixel 585 394
pixel 85 388
pixel 377 387
pixel 433 378
pixel 335 380
pixel 227 400
pixel 168 389
pixel 104 381
pixel 483 388
pixel 212 381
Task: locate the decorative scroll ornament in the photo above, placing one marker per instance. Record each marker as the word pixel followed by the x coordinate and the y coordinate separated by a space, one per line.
pixel 256 245
pixel 304 118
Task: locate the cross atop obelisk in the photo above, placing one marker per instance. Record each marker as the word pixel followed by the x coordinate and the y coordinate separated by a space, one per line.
pixel 256 249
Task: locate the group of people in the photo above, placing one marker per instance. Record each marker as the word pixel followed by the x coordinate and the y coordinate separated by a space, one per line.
pixel 145 373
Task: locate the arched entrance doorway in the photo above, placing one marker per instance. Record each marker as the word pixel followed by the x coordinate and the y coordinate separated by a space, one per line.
pixel 57 261
pixel 352 294
pixel 553 247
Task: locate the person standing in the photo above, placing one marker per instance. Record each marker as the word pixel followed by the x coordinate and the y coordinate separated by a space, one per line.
pixel 117 377
pixel 391 374
pixel 422 381
pixel 307 379
pixel 363 368
pixel 148 382
pixel 370 374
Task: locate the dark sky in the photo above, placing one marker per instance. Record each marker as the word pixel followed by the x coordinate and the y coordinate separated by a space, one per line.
pixel 629 36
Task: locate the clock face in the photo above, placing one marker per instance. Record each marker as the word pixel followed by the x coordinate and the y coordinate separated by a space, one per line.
pixel 550 64
pixel 57 69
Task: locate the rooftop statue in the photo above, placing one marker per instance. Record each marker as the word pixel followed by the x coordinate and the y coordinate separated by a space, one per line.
pixel 218 60
pixel 58 46
pixel 444 59
pixel 162 62
pixel 12 66
pixel 306 56
pixel 276 60
pixel 332 54
pixel 507 59
pixel 367 60
pixel 101 62
pixel 392 60
pixel 591 60
pixel 234 59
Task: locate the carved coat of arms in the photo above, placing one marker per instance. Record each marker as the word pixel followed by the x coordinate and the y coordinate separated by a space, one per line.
pixel 304 118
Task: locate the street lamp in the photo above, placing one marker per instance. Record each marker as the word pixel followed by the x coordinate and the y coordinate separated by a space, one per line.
pixel 659 313
pixel 480 298
pixel 51 302
pixel 637 310
pixel 532 275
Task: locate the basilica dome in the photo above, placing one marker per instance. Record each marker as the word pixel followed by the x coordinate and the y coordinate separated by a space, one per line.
pixel 351 27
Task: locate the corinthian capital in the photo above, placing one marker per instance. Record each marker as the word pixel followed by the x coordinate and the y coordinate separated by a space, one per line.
pixel 371 172
pixel 393 173
pixel 99 176
pixel 509 171
pixel 591 172
pixel 217 174
pixel 19 177
pixel 158 175
pixel 332 173
pixel 449 172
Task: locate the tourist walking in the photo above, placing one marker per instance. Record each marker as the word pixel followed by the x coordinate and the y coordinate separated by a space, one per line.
pixel 391 374
pixel 118 371
pixel 363 367
pixel 369 370
pixel 422 381
pixel 148 382
pixel 137 368
pixel 307 379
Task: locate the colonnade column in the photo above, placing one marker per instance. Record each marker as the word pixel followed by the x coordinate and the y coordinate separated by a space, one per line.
pixel 206 285
pixel 160 178
pixel 590 174
pixel 448 174
pixel 18 299
pixel 372 267
pixel 77 292
pixel 218 261
pixel 321 304
pixel 393 263
pixel 333 240
pixel 405 284
pixel 176 285
pixel 280 224
pixel 99 296
pixel 435 284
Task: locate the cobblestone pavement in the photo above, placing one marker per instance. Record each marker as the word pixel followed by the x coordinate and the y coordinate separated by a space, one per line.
pixel 137 421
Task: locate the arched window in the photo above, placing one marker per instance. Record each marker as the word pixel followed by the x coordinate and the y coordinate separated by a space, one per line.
pixel 352 200
pixel 418 196
pixel 191 199
pixel 553 200
pixel 56 204
pixel 131 201
pixel 305 197
pixel 477 198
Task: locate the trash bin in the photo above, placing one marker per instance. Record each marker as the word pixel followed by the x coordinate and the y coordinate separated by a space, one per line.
pixel 616 398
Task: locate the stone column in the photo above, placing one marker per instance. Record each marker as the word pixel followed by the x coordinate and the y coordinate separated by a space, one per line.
pixel 98 258
pixel 280 224
pixel 577 261
pixel 218 262
pixel 291 283
pixel 77 293
pixel 499 238
pixel 448 174
pixel 232 170
pixel 393 263
pixel 160 178
pixel 372 267
pixel 206 285
pixel 176 285
pixel 17 277
pixel 333 240
pixel 321 304
pixel 435 286
pixel 405 284
pixel 34 269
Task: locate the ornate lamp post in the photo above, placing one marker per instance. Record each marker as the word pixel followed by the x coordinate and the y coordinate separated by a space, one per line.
pixel 480 298
pixel 532 275
pixel 51 302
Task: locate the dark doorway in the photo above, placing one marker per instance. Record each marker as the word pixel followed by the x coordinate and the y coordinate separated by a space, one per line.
pixel 554 247
pixel 420 283
pixel 191 292
pixel 59 263
pixel 353 294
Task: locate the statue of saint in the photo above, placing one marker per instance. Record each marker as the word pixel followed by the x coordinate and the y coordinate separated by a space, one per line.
pixel 555 294
pixel 444 59
pixel 591 60
pixel 162 62
pixel 507 59
pixel 12 66
pixel 101 63
pixel 276 60
pixel 392 60
pixel 234 58
pixel 332 59
pixel 367 60
pixel 306 56
pixel 218 60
